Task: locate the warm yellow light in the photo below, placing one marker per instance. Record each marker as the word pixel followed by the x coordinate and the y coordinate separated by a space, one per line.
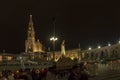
pixel 56 60
pixel 9 58
pixel 0 58
pixel 72 57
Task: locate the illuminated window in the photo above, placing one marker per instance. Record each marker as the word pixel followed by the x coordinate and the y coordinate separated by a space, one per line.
pixel 8 58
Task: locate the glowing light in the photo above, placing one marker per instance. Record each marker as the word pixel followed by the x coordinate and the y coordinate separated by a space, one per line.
pixel 89 48
pixel 99 47
pixel 56 60
pixel 109 44
pixel 0 58
pixel 72 57
pixel 9 58
pixel 20 57
pixel 53 38
pixel 119 42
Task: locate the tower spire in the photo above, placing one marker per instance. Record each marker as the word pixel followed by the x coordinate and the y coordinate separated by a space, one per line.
pixel 31 26
pixel 31 22
pixel 31 45
pixel 31 36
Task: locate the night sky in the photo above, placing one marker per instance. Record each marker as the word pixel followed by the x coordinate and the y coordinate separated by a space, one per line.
pixel 88 22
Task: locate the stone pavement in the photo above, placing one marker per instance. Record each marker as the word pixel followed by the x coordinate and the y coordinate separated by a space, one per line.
pixel 108 75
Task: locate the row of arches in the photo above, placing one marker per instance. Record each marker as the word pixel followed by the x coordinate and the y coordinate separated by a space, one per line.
pixel 104 53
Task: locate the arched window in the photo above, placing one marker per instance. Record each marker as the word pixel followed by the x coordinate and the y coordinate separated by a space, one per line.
pixel 102 54
pixel 86 55
pixel 116 52
pixel 92 55
pixel 106 53
pixel 96 55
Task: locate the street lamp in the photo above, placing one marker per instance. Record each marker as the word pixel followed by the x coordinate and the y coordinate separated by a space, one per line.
pixel 53 39
pixel 119 41
pixel 109 44
pixel 89 48
pixel 99 47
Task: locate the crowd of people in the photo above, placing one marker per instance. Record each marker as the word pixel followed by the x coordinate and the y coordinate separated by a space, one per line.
pixel 82 71
pixel 77 72
pixel 27 74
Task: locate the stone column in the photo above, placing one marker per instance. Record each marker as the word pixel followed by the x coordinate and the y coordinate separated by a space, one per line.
pixel 63 48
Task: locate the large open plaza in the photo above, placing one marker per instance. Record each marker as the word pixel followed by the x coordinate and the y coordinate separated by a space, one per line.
pixel 59 40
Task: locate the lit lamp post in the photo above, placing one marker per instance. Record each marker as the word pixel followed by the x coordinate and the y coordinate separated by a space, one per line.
pixel 53 39
pixel 99 47
pixel 89 48
pixel 119 41
pixel 109 44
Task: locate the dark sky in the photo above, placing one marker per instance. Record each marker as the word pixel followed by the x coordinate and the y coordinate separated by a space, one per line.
pixel 88 22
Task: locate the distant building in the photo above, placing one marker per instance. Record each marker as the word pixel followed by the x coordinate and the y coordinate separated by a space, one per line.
pixel 31 45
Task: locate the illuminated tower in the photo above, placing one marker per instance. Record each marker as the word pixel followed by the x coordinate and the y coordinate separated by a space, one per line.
pixel 31 45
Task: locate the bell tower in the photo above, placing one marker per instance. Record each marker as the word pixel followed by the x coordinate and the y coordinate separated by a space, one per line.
pixel 31 45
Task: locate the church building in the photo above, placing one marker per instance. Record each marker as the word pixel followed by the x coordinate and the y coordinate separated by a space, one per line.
pixel 31 44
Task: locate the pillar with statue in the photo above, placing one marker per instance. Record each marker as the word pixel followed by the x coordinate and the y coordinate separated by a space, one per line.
pixel 63 48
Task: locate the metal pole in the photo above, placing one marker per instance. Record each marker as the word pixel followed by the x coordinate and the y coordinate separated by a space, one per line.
pixel 53 39
pixel 53 50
